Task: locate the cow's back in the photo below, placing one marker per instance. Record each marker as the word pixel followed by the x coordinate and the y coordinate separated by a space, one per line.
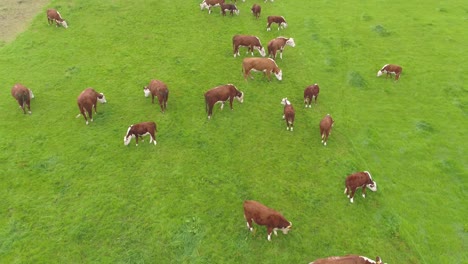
pixel 20 92
pixel 326 123
pixel 88 97
pixel 258 63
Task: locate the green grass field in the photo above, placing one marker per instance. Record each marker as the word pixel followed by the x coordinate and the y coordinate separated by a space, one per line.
pixel 71 193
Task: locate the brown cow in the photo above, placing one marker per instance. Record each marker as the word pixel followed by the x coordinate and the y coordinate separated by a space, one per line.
pixel 265 65
pixel 262 215
pixel 54 15
pixel 139 130
pixel 159 89
pixel 229 7
pixel 311 93
pixel 325 128
pixel 390 69
pixel 356 180
pixel 288 114
pixel 276 19
pixel 251 42
pixel 221 94
pixel 256 10
pixel 349 259
pixel 278 44
pixel 23 96
pixel 87 100
pixel 209 4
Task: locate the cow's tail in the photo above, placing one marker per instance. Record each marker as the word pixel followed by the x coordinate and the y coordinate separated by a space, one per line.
pixel 81 110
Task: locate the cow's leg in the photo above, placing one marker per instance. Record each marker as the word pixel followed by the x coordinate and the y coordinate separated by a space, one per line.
pixel 153 139
pixel 230 101
pixel 269 231
pixel 346 191
pixel 160 99
pixel 268 26
pixel 364 191
pixel 210 111
pixel 136 140
pixel 351 197
pixel 281 53
pixel 28 104
pixel 397 76
pixel 249 222
pixel 236 50
pixel 251 50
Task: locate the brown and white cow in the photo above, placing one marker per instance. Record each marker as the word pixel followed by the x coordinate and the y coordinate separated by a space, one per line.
pixel 87 100
pixel 229 7
pixel 159 89
pixel 311 93
pixel 356 180
pixel 325 128
pixel 23 96
pixel 278 20
pixel 390 69
pixel 256 10
pixel 262 215
pixel 251 42
pixel 288 113
pixel 265 65
pixel 278 44
pixel 54 15
pixel 139 130
pixel 221 94
pixel 208 4
pixel 349 259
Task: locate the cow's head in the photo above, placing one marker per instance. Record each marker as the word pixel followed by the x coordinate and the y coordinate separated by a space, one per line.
pixel 372 186
pixel 240 96
pixel 261 50
pixel 286 229
pixel 31 95
pixel 64 24
pixel 379 73
pixel 203 5
pixel 128 137
pixel 279 74
pixel 285 101
pixel 284 25
pixel 147 91
pixel 101 98
pixel 290 42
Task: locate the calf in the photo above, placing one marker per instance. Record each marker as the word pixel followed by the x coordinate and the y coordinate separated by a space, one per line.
pixel 359 179
pixel 54 15
pixel 229 7
pixel 262 215
pixel 209 4
pixel 288 114
pixel 349 259
pixel 390 69
pixel 276 19
pixel 251 42
pixel 311 94
pixel 87 100
pixel 139 130
pixel 325 128
pixel 256 10
pixel 278 44
pixel 159 89
pixel 265 65
pixel 23 96
pixel 221 94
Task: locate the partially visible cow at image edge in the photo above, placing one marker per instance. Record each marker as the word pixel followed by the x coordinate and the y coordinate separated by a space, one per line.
pixel 349 259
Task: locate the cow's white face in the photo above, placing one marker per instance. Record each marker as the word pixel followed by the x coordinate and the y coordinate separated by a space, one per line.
pixel 379 73
pixel 240 98
pixel 31 95
pixel 279 75
pixel 372 187
pixel 64 24
pixel 285 101
pixel 261 50
pixel 286 229
pixel 147 92
pixel 127 138
pixel 102 100
pixel 203 5
pixel 290 42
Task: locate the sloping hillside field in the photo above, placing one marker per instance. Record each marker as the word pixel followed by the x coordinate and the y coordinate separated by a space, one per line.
pixel 73 193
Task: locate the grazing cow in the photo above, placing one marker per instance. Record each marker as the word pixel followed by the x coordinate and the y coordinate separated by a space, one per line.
pixel 288 113
pixel 311 93
pixel 276 19
pixel 54 15
pixel 221 94
pixel 262 215
pixel 390 68
pixel 159 89
pixel 278 44
pixel 256 10
pixel 229 7
pixel 349 259
pixel 23 96
pixel 325 128
pixel 251 42
pixel 139 130
pixel 210 3
pixel 87 100
pixel 359 179
pixel 265 65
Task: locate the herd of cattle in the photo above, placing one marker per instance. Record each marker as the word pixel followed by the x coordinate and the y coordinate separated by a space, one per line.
pixel 253 210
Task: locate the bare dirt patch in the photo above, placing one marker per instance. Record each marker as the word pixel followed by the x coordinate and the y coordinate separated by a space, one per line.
pixel 16 15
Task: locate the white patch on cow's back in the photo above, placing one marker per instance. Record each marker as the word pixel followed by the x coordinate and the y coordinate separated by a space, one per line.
pixel 367 259
pixel 368 173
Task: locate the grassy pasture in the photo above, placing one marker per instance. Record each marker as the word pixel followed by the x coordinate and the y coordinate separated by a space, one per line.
pixel 71 193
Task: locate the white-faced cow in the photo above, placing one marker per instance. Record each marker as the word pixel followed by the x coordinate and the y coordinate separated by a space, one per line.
pixel 208 4
pixel 139 130
pixel 221 94
pixel 325 128
pixel 356 180
pixel 390 69
pixel 54 15
pixel 278 20
pixel 159 89
pixel 265 65
pixel 311 93
pixel 262 215
pixel 288 114
pixel 256 10
pixel 23 96
pixel 349 259
pixel 278 44
pixel 251 42
pixel 87 100
pixel 231 8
